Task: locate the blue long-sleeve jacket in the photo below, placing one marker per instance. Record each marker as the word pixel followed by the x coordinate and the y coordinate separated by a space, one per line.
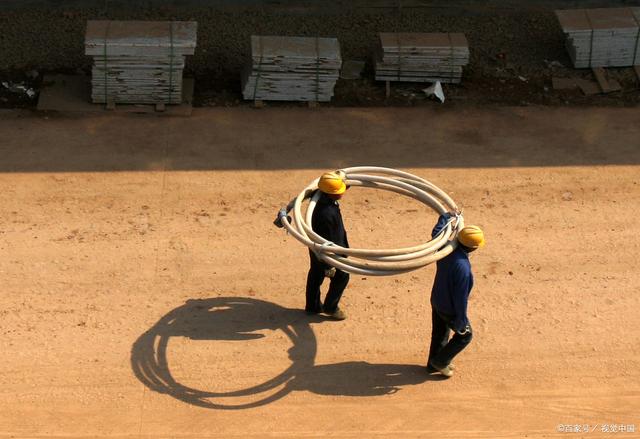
pixel 327 221
pixel 453 282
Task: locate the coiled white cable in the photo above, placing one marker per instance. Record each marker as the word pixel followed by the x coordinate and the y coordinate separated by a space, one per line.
pixel 377 262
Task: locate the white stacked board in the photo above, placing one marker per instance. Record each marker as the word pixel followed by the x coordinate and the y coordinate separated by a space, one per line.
pixel 292 69
pixel 603 37
pixel 422 57
pixel 139 62
pixel 636 15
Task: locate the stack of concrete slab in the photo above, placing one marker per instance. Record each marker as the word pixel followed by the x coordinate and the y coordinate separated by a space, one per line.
pixel 422 57
pixel 292 69
pixel 139 62
pixel 604 37
pixel 636 15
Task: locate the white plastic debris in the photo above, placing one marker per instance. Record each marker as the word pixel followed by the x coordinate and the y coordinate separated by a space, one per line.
pixel 553 64
pixel 435 90
pixel 19 88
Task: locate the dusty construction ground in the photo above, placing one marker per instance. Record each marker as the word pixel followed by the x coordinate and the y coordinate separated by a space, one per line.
pixel 146 293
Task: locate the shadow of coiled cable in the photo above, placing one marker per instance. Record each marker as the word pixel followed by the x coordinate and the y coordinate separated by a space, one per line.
pixel 225 318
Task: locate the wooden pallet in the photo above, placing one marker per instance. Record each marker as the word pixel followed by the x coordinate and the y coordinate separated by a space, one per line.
pixel 606 85
pixel 259 103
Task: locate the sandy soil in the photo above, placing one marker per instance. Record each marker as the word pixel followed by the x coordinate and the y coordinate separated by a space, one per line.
pixel 147 294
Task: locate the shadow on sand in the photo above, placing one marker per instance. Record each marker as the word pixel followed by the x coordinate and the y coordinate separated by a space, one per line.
pixel 243 319
pixel 287 138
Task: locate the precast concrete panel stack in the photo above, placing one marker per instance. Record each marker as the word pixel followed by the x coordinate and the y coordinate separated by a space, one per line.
pixel 604 37
pixel 422 57
pixel 292 69
pixel 139 62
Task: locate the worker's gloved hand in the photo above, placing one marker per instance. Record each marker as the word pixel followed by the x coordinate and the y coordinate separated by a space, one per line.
pixel 278 221
pixel 281 214
pixel 330 272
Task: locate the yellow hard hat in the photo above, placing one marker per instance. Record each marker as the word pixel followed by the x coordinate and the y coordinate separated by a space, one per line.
pixel 332 183
pixel 471 237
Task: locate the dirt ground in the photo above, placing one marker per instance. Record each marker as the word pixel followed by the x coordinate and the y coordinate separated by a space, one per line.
pixel 147 294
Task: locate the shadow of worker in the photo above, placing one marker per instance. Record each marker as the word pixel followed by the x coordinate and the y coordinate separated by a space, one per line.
pixel 243 319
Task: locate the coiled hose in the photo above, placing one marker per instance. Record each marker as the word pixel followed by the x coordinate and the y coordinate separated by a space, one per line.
pixel 376 262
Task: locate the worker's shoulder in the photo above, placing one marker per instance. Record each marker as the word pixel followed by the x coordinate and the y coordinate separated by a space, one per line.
pixel 460 260
pixel 329 207
pixel 325 211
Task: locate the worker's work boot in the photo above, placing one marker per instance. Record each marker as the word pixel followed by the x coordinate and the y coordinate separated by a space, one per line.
pixel 314 311
pixel 338 314
pixel 431 369
pixel 446 370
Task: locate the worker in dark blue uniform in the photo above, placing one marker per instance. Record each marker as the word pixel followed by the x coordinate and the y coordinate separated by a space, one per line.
pixel 326 221
pixel 449 297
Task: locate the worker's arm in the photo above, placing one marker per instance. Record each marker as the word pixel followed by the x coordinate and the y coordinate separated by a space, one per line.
pixel 282 213
pixel 291 204
pixel 460 294
pixel 285 210
pixel 442 222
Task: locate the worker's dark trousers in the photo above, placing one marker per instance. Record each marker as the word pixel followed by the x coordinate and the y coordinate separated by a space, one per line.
pixel 314 281
pixel 442 349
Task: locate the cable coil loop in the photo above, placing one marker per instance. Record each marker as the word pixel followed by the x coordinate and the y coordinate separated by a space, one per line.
pixel 377 262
